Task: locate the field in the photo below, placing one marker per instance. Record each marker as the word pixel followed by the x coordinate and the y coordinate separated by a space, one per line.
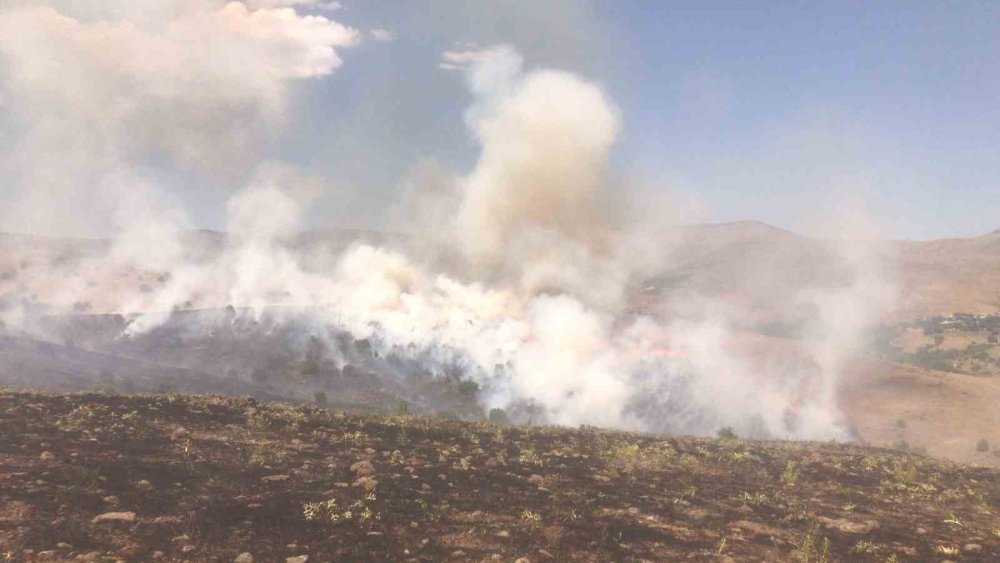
pixel 172 477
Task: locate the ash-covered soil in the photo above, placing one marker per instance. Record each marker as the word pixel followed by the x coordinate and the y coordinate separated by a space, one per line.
pixel 203 478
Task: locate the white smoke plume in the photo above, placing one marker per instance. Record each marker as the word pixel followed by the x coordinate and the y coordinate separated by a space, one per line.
pixel 205 86
pixel 535 262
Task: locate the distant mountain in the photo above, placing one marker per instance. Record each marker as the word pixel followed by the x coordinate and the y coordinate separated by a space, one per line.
pixel 760 267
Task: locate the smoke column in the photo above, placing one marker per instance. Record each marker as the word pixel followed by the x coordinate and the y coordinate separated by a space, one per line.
pixel 524 282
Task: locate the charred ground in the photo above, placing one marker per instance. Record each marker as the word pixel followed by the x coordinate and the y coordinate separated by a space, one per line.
pixel 96 476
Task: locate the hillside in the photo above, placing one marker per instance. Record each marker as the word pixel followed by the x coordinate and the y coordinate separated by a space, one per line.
pixel 950 275
pixel 758 267
pixel 88 477
pixel 945 414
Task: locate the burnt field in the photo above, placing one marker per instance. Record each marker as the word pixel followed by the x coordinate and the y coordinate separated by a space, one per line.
pixel 274 354
pixel 202 478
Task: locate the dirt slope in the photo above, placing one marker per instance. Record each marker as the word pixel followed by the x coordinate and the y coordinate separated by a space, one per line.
pixel 945 413
pixel 89 477
pixel 950 275
pixel 758 266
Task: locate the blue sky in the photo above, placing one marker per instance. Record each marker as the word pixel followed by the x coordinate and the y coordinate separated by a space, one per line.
pixel 776 112
pixel 782 112
pixel 731 102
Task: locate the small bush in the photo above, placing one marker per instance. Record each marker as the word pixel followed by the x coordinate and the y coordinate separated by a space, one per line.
pixel 982 445
pixel 726 433
pixel 791 474
pixel 320 398
pixel 498 416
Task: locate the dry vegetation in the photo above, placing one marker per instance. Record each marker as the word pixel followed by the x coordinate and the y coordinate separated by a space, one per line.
pixel 95 477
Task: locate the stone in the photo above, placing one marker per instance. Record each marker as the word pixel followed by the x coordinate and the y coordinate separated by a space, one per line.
pixel 243 558
pixel 972 548
pixel 363 468
pixel 756 528
pixel 47 456
pixel 536 479
pixel 114 517
pixel 274 478
pixel 297 559
pixel 848 526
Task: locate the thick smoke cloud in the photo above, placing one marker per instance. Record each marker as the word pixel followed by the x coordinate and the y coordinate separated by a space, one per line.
pixel 525 277
pixel 205 87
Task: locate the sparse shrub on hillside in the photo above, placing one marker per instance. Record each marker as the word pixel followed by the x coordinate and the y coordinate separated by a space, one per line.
pixel 446 415
pixel 791 474
pixel 320 398
pixel 627 458
pixel 811 549
pixel 277 417
pixel 726 433
pixel 531 518
pixel 982 445
pixel 498 416
pixel 866 547
pixel 529 456
pixel 754 499
pixel 360 511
